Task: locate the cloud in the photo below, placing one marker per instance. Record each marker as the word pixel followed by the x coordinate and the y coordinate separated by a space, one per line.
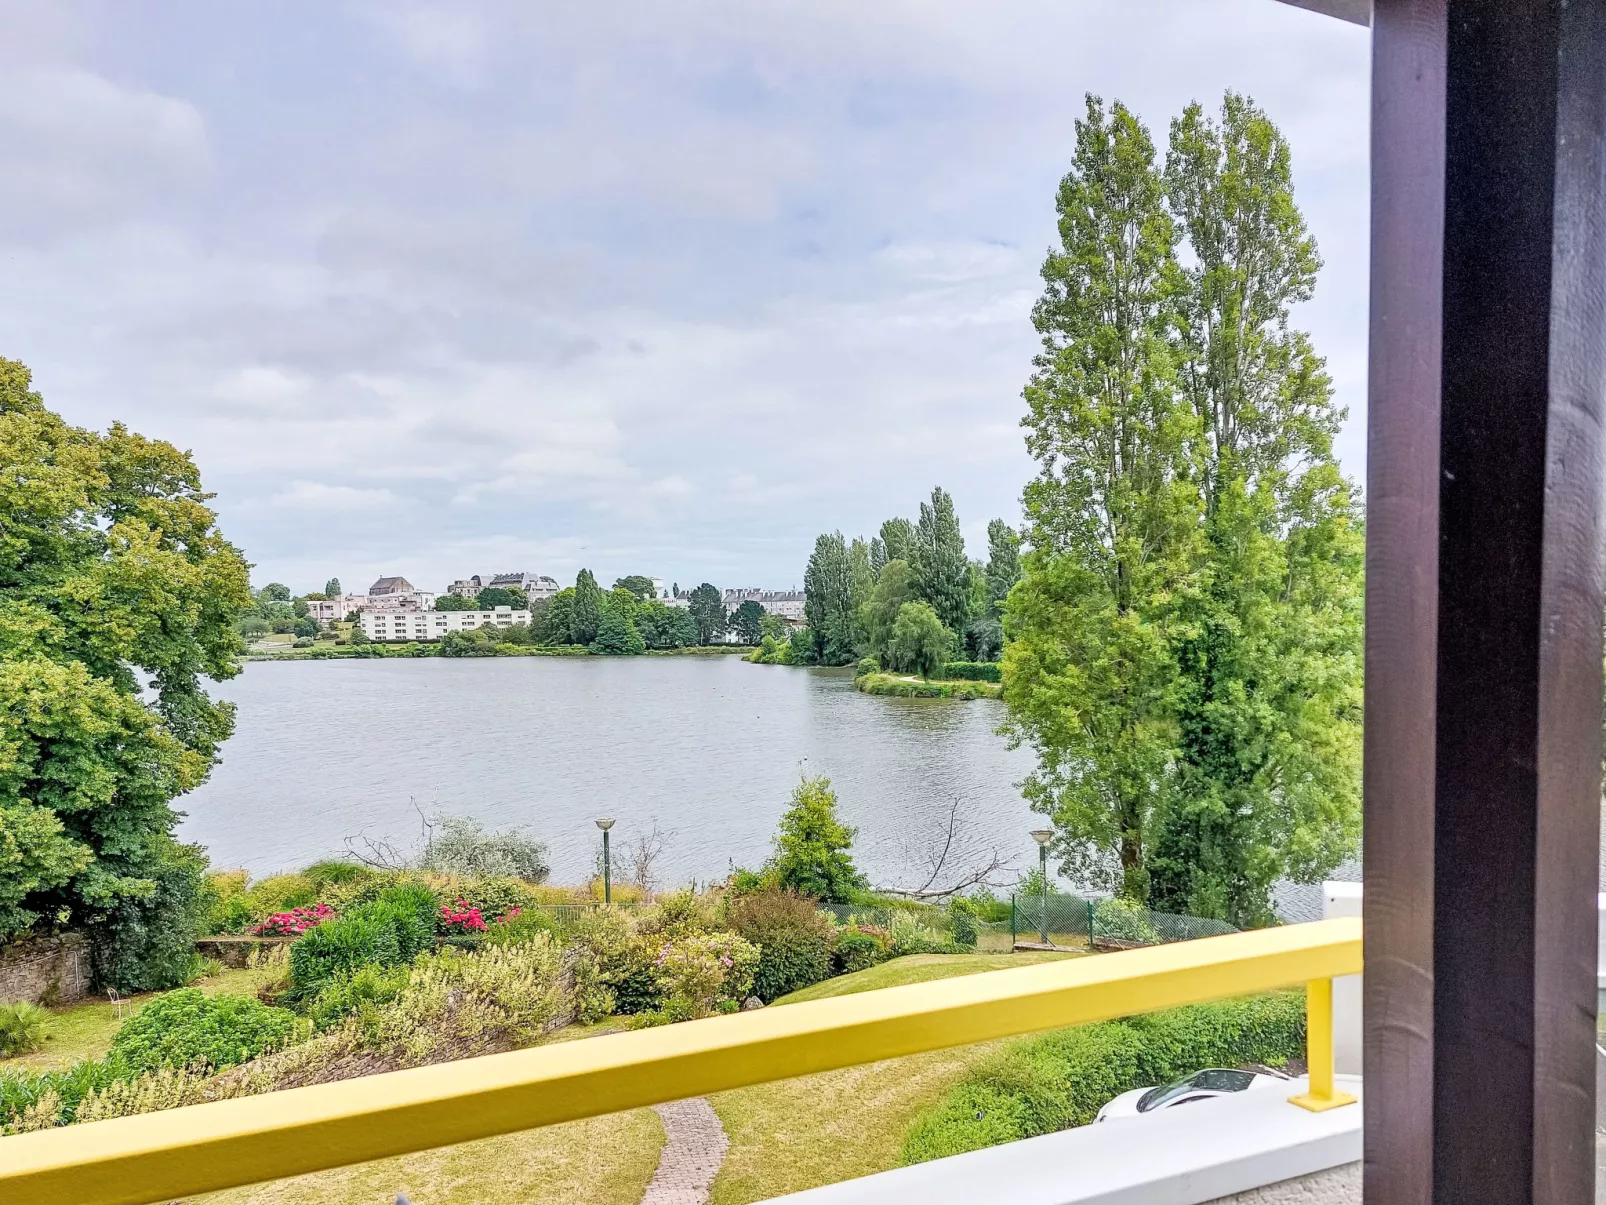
pixel 80 149
pixel 662 287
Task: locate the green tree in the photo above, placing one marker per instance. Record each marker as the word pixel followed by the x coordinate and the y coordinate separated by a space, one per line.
pixel 276 592
pixel 708 612
pixel 117 597
pixel 984 637
pixel 1089 676
pixel 492 597
pixel 331 588
pixel 306 628
pixel 617 634
pixel 557 624
pixel 813 848
pixel 941 572
pixel 920 643
pixel 665 627
pixel 1269 640
pixel 893 588
pixel 587 613
pixel 455 602
pixel 828 600
pixel 747 621
pixel 640 586
pixel 897 540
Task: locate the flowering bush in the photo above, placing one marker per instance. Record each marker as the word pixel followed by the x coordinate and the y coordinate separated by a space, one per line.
pixel 705 973
pixel 294 922
pixel 460 918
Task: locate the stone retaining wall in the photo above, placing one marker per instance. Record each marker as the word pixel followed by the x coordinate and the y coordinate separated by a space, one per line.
pixel 45 970
pixel 236 952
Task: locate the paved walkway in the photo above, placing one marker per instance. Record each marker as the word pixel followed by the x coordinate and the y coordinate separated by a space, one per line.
pixel 694 1149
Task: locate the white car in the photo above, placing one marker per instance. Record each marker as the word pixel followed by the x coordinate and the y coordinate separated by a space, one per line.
pixel 1201 1085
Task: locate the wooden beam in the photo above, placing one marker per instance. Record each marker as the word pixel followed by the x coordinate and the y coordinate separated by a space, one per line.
pixel 1484 607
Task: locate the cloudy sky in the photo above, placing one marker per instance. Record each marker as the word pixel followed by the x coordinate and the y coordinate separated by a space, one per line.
pixel 661 287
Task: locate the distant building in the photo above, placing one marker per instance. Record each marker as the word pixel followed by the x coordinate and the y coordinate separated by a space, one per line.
pixel 532 585
pixel 787 604
pixel 466 587
pixel 391 585
pixel 432 625
pixel 333 610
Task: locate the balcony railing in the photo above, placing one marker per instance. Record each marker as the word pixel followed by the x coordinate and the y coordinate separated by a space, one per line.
pixel 181 1152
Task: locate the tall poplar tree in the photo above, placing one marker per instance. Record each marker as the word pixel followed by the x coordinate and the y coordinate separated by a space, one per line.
pixel 897 539
pixel 1270 627
pixel 828 600
pixel 937 560
pixel 1089 676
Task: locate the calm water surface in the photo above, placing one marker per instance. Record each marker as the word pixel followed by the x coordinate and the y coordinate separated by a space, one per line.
pixel 709 747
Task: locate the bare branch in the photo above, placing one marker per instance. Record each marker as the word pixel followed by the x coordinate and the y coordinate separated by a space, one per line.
pixel 951 862
pixel 642 855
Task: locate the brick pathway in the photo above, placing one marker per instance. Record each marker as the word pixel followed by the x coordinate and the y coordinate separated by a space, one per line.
pixel 694 1149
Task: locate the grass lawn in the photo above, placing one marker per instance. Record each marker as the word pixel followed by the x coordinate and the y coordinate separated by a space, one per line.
pixel 600 1161
pixel 820 1129
pixel 84 1030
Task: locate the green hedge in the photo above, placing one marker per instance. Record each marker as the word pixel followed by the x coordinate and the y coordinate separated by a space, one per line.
pixel 1062 1079
pixel 973 671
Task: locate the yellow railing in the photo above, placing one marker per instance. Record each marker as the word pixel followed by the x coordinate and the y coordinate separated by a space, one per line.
pixel 181 1152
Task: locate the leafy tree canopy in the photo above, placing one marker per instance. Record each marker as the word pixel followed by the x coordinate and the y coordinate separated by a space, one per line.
pixel 113 577
pixel 331 588
pixel 708 612
pixel 1186 659
pixel 586 612
pixel 920 643
pixel 276 592
pixel 747 621
pixel 640 586
pixel 455 602
pixel 492 597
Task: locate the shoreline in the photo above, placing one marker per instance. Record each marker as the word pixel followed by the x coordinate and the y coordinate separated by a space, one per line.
pixel 380 650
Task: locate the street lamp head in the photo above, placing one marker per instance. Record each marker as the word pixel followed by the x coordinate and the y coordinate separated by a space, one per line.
pixel 604 822
pixel 1042 835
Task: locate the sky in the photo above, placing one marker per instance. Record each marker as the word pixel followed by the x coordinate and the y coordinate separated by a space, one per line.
pixel 653 286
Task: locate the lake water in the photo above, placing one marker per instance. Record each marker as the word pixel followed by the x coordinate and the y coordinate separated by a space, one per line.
pixel 708 747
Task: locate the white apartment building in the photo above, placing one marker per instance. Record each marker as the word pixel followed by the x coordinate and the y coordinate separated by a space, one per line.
pixel 466 587
pixel 788 604
pixel 432 625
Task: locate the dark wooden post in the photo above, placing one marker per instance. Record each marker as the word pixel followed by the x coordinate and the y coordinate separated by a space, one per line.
pixel 1484 576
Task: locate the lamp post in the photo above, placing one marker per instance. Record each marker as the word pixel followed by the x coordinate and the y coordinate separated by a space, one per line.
pixel 1043 836
pixel 605 823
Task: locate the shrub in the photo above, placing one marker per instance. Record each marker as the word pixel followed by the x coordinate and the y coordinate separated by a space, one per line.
pixel 463 847
pixel 518 926
pixel 460 918
pixel 866 666
pixel 857 950
pixel 962 922
pixel 23 1028
pixel 703 973
pixel 1124 920
pixel 294 922
pixel 334 872
pixel 494 896
pixel 353 992
pixel 147 942
pixel 794 937
pixel 392 929
pixel 1061 1079
pixel 615 973
pixel 188 1028
pixel 973 671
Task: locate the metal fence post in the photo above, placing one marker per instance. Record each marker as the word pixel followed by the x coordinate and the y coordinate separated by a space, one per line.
pixel 1090 945
pixel 1323 1094
pixel 1014 930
